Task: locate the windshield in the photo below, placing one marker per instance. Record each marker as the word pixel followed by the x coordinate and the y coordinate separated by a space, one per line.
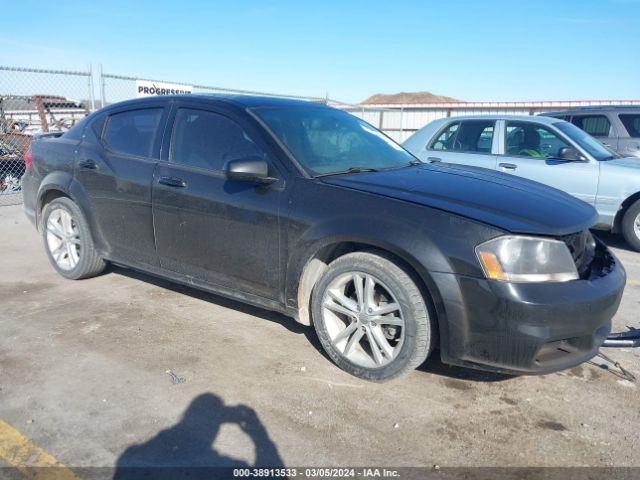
pixel 326 141
pixel 586 141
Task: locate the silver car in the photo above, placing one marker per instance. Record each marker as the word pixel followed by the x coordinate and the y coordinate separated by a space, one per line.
pixel 544 149
pixel 615 127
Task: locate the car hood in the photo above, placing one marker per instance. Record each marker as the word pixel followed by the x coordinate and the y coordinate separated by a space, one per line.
pixel 513 204
pixel 626 162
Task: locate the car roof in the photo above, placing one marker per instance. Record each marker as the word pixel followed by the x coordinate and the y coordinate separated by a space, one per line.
pixel 432 127
pixel 600 108
pixel 522 118
pixel 241 101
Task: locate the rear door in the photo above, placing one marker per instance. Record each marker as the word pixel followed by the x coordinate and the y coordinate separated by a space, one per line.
pixel 218 231
pixel 466 142
pixel 116 171
pixel 599 127
pixel 531 150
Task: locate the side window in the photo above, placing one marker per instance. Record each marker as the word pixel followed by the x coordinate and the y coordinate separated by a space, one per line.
pixel 93 132
pixel 632 123
pixel 133 132
pixel 208 140
pixel 76 131
pixel 532 140
pixel 475 136
pixel 445 140
pixel 594 125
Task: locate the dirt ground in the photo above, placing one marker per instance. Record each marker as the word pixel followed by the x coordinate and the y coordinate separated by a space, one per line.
pixel 124 369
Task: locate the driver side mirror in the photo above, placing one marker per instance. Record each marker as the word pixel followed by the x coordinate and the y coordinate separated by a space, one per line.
pixel 253 170
pixel 570 155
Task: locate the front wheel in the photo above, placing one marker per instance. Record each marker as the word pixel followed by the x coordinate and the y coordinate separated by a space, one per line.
pixel 68 241
pixel 370 317
pixel 631 226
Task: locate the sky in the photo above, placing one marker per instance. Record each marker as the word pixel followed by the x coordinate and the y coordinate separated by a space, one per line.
pixel 490 50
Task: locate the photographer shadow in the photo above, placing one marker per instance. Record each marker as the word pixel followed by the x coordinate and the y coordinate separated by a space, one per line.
pixel 186 449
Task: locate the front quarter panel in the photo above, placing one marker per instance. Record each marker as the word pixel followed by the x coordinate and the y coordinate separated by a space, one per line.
pixel 617 184
pixel 428 240
pixel 629 146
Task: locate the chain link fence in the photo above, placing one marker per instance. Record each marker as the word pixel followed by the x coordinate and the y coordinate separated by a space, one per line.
pixel 116 88
pixel 391 121
pixel 34 101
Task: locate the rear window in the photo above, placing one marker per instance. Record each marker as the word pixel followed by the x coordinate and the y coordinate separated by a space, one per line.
pixel 75 132
pixel 594 125
pixel 475 136
pixel 133 132
pixel 445 141
pixel 632 123
pixel 470 136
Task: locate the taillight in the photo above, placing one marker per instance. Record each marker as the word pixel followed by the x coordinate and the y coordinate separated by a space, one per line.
pixel 28 160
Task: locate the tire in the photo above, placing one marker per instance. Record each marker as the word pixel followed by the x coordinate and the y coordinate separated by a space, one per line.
pixel 347 336
pixel 631 226
pixel 68 242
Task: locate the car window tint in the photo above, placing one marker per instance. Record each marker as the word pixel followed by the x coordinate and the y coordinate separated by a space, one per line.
pixel 532 140
pixel 445 140
pixel 76 131
pixel 326 141
pixel 632 123
pixel 594 125
pixel 474 136
pixel 209 140
pixel 94 131
pixel 133 132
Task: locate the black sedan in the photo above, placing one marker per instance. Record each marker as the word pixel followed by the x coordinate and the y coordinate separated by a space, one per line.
pixel 307 210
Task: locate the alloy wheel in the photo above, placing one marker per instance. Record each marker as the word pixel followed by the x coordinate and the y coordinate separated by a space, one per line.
pixel 363 319
pixel 63 239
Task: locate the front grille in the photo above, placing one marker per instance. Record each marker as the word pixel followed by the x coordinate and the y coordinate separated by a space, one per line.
pixel 582 246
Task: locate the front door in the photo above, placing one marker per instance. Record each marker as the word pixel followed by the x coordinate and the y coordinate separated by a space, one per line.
pixel 531 151
pixel 207 227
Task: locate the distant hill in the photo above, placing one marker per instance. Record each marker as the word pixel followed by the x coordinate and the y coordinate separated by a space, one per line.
pixel 408 97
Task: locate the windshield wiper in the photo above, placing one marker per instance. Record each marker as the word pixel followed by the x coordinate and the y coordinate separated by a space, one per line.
pixel 349 170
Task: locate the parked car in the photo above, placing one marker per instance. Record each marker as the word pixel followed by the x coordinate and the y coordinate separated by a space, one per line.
pixel 307 210
pixel 547 150
pixel 616 127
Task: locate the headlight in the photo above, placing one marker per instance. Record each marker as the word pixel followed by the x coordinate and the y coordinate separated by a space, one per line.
pixel 526 259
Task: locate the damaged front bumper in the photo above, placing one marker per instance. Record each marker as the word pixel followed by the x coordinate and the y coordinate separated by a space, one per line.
pixel 529 328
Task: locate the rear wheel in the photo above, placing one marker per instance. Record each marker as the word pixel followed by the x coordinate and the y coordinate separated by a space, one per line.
pixel 68 241
pixel 371 317
pixel 631 226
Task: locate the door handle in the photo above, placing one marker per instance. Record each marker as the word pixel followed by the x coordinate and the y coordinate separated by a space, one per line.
pixel 88 164
pixel 172 182
pixel 508 166
pixel 434 159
